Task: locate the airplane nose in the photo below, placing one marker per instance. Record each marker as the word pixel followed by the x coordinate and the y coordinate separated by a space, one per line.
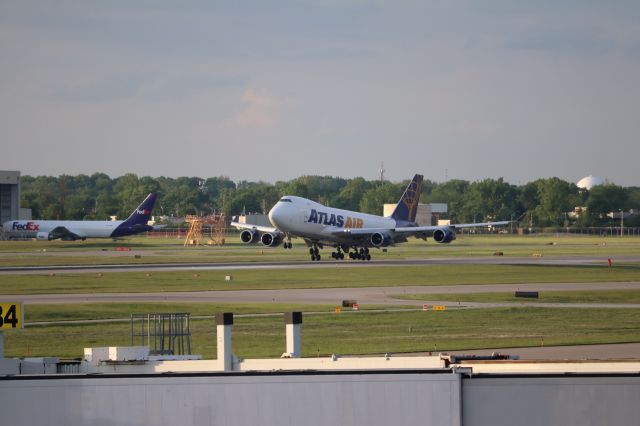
pixel 275 215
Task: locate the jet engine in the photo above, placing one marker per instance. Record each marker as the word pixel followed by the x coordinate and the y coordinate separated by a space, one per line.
pixel 249 236
pixel 443 235
pixel 42 236
pixel 378 239
pixel 271 240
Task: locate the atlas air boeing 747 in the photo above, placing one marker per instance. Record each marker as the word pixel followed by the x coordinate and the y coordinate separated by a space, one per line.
pixel 71 230
pixel 347 231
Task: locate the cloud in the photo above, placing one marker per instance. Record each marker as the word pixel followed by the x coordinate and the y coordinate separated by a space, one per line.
pixel 260 111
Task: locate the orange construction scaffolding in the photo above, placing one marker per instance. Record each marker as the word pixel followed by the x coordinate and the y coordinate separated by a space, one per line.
pixel 195 234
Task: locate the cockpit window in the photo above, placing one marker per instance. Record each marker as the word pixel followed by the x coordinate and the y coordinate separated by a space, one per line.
pixel 285 200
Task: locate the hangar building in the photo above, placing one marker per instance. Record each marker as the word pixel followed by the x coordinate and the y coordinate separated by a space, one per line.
pixel 9 195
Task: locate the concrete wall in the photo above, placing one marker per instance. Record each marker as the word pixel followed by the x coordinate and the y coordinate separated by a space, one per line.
pixel 330 398
pixel 237 399
pixel 533 401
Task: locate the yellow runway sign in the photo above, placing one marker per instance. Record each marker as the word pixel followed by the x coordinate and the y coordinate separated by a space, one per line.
pixel 11 315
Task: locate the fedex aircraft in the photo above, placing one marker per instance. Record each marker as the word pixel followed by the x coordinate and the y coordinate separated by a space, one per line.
pixel 71 230
pixel 346 230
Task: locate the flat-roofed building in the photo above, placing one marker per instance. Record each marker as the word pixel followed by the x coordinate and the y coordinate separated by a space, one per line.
pixel 9 195
pixel 424 214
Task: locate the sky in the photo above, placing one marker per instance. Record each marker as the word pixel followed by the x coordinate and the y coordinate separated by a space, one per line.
pixel 272 90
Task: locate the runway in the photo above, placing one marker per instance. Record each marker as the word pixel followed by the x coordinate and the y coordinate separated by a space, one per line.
pixel 334 296
pixel 369 295
pixel 378 296
pixel 146 267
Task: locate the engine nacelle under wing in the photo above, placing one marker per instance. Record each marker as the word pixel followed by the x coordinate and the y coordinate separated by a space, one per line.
pixel 43 236
pixel 379 239
pixel 271 240
pixel 444 235
pixel 249 236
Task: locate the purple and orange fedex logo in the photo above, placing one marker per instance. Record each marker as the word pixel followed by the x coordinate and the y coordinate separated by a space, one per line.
pixel 29 226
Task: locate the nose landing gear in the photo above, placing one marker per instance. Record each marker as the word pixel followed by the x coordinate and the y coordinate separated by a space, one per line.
pixel 287 242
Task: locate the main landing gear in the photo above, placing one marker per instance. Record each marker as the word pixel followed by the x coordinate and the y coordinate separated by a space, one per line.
pixel 339 253
pixel 361 254
pixel 315 253
pixel 287 243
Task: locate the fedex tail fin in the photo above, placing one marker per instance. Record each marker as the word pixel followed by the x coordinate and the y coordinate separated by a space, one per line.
pixel 142 213
pixel 406 208
pixel 137 221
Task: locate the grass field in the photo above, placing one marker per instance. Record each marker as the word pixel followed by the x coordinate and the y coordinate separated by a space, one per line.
pixel 595 296
pixel 369 276
pixel 361 332
pixel 325 332
pixel 158 250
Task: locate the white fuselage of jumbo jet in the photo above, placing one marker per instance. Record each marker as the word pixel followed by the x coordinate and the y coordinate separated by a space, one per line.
pixel 347 230
pixel 83 228
pixel 308 219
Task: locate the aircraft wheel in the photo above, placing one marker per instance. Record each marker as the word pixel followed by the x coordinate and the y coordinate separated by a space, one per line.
pixel 318 257
pixel 311 252
pixel 341 256
pixel 368 257
pixel 366 250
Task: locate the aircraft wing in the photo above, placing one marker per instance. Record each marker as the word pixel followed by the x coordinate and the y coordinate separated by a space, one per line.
pixel 431 228
pixel 360 231
pixel 258 228
pixel 415 230
pixel 65 234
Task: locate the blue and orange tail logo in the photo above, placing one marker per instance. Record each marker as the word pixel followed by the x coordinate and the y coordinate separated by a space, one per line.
pixel 408 205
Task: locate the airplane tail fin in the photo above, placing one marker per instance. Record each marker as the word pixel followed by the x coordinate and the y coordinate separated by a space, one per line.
pixel 142 213
pixel 408 205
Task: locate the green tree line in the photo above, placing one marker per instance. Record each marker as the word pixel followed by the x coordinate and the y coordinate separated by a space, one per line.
pixel 544 202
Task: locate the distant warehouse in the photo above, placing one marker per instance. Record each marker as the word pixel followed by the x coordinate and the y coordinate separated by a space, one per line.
pixel 424 214
pixel 9 195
